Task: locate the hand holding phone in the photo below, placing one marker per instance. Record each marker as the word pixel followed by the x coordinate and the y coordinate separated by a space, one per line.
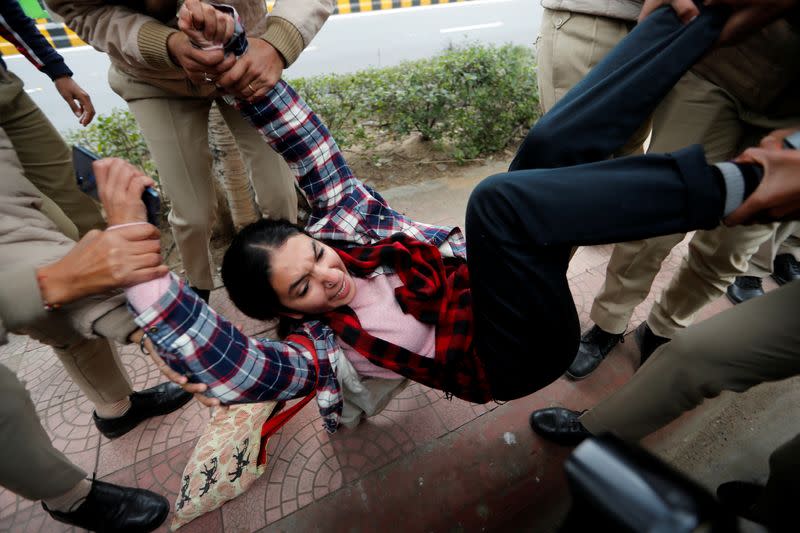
pixel 83 160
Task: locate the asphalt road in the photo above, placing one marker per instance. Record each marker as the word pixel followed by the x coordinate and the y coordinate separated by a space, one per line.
pixel 346 43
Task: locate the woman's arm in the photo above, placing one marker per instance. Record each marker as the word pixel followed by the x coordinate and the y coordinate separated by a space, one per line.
pixel 200 344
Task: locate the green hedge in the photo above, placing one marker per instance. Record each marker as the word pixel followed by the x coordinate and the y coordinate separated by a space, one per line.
pixel 470 101
pixel 116 135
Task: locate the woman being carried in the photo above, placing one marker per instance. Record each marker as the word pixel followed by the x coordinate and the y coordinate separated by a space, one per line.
pixel 390 294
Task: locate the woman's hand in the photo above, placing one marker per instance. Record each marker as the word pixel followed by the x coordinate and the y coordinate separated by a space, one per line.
pixel 120 186
pixel 197 389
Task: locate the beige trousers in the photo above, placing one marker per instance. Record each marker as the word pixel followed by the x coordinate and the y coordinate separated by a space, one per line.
pixel 176 131
pixel 32 467
pixel 755 342
pixel 29 238
pixel 696 111
pixel 33 137
pixel 785 240
pixel 568 46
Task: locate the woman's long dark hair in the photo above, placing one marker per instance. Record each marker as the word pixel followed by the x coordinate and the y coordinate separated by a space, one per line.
pixel 246 267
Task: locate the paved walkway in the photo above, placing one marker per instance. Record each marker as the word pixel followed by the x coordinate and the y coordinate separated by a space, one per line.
pixel 424 463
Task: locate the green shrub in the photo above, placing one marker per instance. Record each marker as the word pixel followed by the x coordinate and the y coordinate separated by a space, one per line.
pixel 470 101
pixel 116 135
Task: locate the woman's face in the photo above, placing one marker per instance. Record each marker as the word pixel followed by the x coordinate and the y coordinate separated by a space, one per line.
pixel 310 277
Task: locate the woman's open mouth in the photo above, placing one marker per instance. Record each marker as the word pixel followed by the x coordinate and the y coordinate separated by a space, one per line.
pixel 342 290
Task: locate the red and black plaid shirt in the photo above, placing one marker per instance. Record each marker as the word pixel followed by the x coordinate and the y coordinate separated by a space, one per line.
pixel 434 292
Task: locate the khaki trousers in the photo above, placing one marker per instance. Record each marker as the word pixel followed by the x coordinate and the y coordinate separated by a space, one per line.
pixel 754 342
pixel 696 111
pixel 176 131
pixel 31 467
pixel 47 160
pixel 785 240
pixel 568 46
pixel 29 238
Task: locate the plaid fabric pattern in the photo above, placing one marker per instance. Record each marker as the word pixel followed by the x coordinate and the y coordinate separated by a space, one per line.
pixel 434 293
pixel 194 340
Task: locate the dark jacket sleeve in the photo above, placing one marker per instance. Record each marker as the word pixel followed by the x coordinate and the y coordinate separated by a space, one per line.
pixel 20 30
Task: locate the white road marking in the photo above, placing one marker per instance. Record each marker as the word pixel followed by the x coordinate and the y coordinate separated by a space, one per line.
pixel 470 28
pixel 415 9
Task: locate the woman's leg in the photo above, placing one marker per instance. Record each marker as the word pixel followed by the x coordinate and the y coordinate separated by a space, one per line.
pixel 520 229
pixel 522 225
pixel 601 112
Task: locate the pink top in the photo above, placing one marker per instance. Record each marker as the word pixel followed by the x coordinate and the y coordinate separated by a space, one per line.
pixel 374 304
pixel 381 315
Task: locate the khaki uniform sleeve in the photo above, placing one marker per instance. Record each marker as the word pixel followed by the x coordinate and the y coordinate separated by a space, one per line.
pixel 292 25
pixel 20 300
pixel 122 33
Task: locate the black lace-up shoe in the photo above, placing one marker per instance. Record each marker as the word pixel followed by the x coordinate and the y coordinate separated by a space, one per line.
pixel 744 288
pixel 155 401
pixel 204 294
pixel 647 341
pixel 559 425
pixel 595 346
pixel 785 269
pixel 740 497
pixel 110 508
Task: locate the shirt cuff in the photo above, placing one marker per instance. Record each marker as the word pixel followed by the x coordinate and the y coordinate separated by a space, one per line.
pixel 145 294
pixel 152 42
pixel 57 70
pixel 734 186
pixel 285 38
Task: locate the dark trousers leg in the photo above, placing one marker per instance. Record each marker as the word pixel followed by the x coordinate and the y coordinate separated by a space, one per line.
pixel 521 225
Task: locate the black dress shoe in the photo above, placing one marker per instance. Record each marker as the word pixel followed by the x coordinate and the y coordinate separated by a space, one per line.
pixel 159 400
pixel 785 269
pixel 204 294
pixel 740 498
pixel 595 346
pixel 647 341
pixel 559 425
pixel 744 288
pixel 113 508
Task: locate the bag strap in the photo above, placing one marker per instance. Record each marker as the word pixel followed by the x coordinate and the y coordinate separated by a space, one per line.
pixel 277 421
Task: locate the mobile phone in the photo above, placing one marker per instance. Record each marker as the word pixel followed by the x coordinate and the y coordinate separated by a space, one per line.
pixel 82 160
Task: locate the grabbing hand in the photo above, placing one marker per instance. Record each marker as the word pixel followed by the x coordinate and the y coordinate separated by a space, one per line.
pixel 120 186
pixel 77 99
pixel 778 195
pixel 103 260
pixel 685 9
pixel 198 47
pixel 206 26
pixel 255 73
pixel 749 16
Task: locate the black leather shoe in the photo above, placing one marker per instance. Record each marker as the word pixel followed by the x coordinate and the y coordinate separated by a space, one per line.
pixel 156 401
pixel 204 294
pixel 744 288
pixel 647 341
pixel 595 346
pixel 785 269
pixel 559 425
pixel 113 508
pixel 740 498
